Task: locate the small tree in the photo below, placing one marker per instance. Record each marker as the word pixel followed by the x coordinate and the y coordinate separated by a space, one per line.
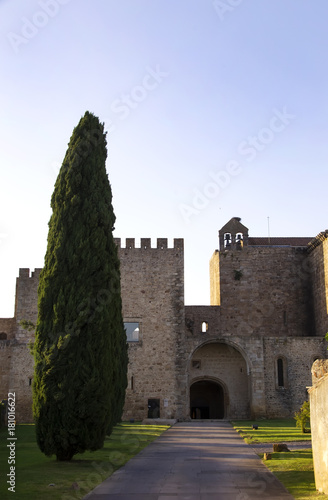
pixel 80 345
pixel 302 417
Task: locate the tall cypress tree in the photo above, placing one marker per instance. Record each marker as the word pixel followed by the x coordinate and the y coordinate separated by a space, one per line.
pixel 80 345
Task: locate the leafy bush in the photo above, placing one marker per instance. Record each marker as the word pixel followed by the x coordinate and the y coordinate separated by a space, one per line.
pixel 302 417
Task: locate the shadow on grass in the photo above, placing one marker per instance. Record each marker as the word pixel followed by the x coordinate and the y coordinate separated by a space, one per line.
pixel 295 471
pixel 39 477
pixel 270 431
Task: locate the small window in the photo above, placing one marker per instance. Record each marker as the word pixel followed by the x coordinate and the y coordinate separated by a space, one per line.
pixel 280 372
pixel 30 381
pixel 196 363
pixel 285 318
pixel 204 327
pixel 132 331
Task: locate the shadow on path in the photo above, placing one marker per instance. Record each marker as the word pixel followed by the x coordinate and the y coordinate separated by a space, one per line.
pixel 193 461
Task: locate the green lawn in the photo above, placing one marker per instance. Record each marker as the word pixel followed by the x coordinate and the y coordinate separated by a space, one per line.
pixel 270 431
pixel 35 472
pixel 293 469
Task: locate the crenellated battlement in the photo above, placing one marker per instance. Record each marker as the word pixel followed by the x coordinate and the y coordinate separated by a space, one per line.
pixel 145 244
pixel 25 273
pixel 26 303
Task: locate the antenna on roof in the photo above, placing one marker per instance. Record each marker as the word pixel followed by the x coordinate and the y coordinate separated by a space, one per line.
pixel 269 230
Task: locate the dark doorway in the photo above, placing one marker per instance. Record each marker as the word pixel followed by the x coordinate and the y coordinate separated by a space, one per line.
pixel 153 408
pixel 206 400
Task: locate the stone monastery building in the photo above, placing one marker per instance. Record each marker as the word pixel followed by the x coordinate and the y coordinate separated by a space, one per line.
pixel 247 355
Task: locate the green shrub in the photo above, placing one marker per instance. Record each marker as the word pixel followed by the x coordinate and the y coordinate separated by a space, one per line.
pixel 302 417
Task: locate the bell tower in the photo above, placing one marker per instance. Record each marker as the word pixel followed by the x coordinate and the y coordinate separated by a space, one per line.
pixel 233 235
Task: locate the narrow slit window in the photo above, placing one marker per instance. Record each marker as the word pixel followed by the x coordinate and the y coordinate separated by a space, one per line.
pixel 280 372
pixel 285 318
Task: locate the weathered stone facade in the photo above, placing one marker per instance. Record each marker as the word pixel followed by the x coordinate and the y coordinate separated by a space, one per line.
pixel 248 354
pixel 152 286
pixel 319 423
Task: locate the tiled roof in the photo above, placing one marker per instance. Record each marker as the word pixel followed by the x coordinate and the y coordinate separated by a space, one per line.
pixel 280 241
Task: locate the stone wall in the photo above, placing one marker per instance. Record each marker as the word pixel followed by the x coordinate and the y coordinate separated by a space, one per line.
pixel 225 365
pixel 297 355
pixel 266 291
pixel 6 356
pixel 7 328
pixel 16 375
pixel 215 292
pixel 319 270
pixel 152 284
pixel 21 377
pixel 26 305
pixel 248 349
pixel 266 299
pixel 260 353
pixel 319 423
pixel 16 361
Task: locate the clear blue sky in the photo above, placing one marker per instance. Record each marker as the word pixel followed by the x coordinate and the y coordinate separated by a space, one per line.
pixel 214 109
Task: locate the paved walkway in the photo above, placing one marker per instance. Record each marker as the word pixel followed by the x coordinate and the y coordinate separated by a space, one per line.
pixel 193 461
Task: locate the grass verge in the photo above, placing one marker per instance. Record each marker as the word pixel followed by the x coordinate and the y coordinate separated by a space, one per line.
pixel 35 472
pixel 295 471
pixel 270 431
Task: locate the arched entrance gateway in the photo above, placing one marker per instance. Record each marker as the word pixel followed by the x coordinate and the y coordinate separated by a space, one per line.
pixel 206 400
pixel 219 383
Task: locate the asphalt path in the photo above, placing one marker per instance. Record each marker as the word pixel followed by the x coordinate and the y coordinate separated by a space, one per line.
pixel 193 461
